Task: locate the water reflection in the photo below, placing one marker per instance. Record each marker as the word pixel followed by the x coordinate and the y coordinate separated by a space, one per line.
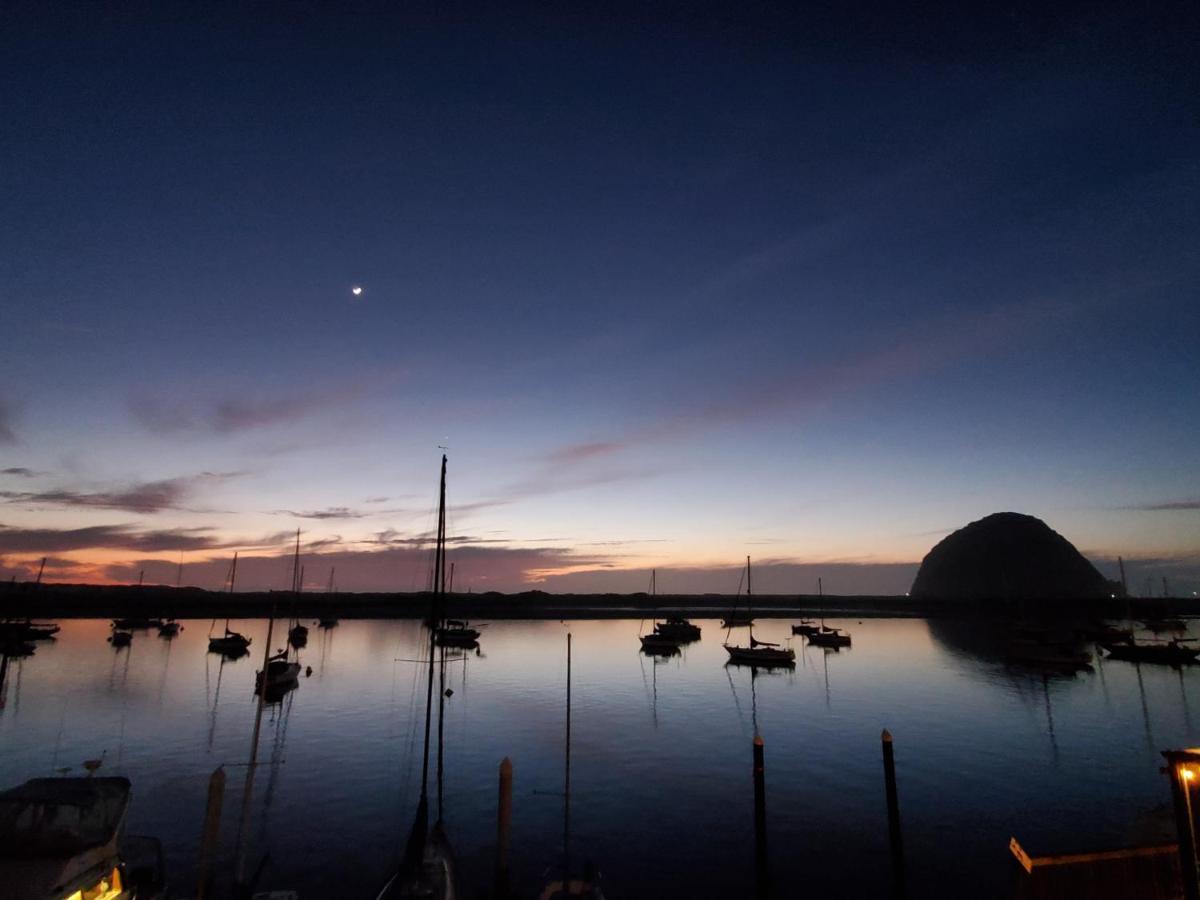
pixel 984 750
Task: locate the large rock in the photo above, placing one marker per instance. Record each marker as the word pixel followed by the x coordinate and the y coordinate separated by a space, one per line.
pixel 1007 556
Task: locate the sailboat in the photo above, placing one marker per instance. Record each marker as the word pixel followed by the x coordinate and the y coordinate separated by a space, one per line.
pixel 736 619
pixel 826 636
pixel 1172 652
pixel 584 886
pixel 328 619
pixel 807 626
pixel 281 673
pixel 759 653
pixel 657 641
pixel 297 633
pixel 232 644
pixel 427 869
pixel 456 633
pixel 675 627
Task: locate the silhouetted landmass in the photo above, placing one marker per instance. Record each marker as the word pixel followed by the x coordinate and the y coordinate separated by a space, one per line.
pixel 99 601
pixel 1008 556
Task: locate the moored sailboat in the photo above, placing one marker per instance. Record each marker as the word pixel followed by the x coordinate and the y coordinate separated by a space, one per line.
pixel 824 636
pixel 231 643
pixel 427 868
pixel 1172 652
pixel 758 653
pixel 658 641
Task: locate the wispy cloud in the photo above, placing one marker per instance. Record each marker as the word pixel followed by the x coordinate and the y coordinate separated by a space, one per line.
pixel 330 512
pixel 19 471
pixel 577 453
pixel 1166 506
pixel 122 537
pixel 393 568
pixel 142 497
pixel 235 414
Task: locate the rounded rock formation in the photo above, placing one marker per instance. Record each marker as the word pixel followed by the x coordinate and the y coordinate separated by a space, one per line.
pixel 1007 556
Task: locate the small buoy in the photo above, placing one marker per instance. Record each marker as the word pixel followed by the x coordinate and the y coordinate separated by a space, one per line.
pixel 308 672
pixel 449 692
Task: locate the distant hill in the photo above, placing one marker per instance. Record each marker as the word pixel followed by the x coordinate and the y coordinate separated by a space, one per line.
pixel 1007 556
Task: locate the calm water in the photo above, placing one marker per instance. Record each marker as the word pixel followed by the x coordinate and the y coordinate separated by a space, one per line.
pixel 661 777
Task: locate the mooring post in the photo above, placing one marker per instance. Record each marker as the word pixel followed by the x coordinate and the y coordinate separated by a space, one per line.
pixel 1181 767
pixel 895 840
pixel 761 874
pixel 212 830
pixel 503 828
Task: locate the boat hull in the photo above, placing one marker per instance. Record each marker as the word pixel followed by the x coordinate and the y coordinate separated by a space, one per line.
pixel 1163 654
pixel 825 639
pixel 761 656
pixel 678 631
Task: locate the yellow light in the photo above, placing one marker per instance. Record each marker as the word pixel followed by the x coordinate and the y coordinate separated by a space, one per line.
pixel 1188 774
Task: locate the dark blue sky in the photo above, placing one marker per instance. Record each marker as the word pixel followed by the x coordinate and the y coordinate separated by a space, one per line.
pixel 672 283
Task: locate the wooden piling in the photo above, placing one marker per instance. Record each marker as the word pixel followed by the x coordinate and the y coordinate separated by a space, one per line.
pixel 761 874
pixel 212 830
pixel 1179 772
pixel 503 828
pixel 895 841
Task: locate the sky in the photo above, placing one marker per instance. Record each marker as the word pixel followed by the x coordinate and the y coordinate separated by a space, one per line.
pixel 672 286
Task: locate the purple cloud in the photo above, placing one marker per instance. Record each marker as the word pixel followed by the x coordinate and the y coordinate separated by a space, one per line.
pixel 144 497
pixel 331 512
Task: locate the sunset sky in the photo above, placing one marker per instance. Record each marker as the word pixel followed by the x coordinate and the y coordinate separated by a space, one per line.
pixel 815 287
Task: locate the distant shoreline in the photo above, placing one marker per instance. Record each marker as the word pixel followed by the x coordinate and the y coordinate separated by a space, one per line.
pixel 103 601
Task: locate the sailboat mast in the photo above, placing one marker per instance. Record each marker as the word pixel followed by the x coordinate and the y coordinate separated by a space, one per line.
pixel 296 565
pixel 749 601
pixel 232 580
pixel 438 557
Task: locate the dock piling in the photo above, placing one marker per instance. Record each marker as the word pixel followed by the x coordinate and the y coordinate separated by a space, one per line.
pixel 761 873
pixel 1182 770
pixel 895 841
pixel 212 830
pixel 503 828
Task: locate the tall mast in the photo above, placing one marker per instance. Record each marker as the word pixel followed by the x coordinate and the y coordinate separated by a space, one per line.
pixel 232 579
pixel 438 554
pixel 296 566
pixel 416 837
pixel 41 569
pixel 749 601
pixel 1121 566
